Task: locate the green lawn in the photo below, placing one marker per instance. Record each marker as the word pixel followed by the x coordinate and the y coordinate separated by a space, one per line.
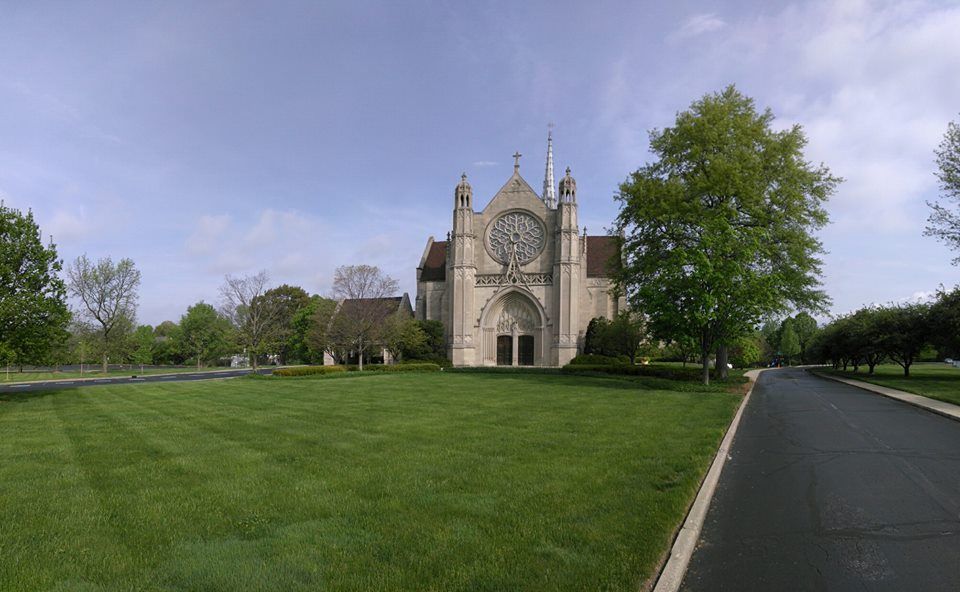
pixel 94 372
pixel 381 482
pixel 934 379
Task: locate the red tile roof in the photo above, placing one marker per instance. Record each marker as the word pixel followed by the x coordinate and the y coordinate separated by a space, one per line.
pixel 601 256
pixel 435 267
pixel 601 253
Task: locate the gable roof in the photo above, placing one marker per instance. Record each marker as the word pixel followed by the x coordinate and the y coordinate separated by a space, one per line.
pixel 377 306
pixel 435 263
pixel 518 193
pixel 601 256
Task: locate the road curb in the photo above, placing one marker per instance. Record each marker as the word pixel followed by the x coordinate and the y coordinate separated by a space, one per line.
pixel 95 378
pixel 941 408
pixel 671 576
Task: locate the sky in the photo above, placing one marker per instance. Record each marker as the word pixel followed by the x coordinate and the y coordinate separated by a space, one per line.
pixel 209 138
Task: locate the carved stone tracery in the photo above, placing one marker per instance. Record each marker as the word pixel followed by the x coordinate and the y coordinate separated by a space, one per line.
pixel 519 233
pixel 516 312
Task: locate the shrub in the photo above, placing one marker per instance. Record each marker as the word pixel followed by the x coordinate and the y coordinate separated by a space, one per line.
pixel 596 360
pixel 666 372
pixel 441 361
pixel 409 367
pixel 308 370
pixel 504 370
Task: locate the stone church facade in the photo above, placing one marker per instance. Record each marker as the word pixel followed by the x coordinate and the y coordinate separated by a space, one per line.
pixel 516 283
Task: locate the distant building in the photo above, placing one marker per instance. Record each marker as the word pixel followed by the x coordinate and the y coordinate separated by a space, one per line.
pixel 516 284
pixel 379 309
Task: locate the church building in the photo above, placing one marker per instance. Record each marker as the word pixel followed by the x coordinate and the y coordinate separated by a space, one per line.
pixel 516 283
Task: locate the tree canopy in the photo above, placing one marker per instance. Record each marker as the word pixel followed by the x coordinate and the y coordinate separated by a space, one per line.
pixel 944 221
pixel 360 319
pixel 718 231
pixel 33 310
pixel 108 297
pixel 242 303
pixel 205 335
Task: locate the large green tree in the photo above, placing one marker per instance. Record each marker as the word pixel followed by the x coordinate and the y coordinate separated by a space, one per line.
pixel 310 329
pixel 945 322
pixel 905 330
pixel 285 302
pixel 204 333
pixel 167 341
pixel 806 328
pixel 789 343
pixel 402 336
pixel 944 221
pixel 33 310
pixel 142 346
pixel 718 231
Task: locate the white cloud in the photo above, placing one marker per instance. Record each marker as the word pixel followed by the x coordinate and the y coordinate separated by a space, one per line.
pixel 208 234
pixel 921 296
pixel 700 24
pixel 70 226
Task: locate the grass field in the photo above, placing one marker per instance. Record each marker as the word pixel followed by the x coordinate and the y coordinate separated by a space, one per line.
pixel 14 377
pixel 930 379
pixel 390 482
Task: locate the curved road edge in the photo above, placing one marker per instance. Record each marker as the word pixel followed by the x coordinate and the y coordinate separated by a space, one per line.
pixel 948 410
pixel 67 383
pixel 671 576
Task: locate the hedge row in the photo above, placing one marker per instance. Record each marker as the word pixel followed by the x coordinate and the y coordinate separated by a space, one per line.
pixel 409 367
pixel 599 360
pixel 503 370
pixel 668 372
pixel 308 370
pixel 313 370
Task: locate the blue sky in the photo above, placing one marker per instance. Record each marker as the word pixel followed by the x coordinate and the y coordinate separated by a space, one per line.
pixel 207 138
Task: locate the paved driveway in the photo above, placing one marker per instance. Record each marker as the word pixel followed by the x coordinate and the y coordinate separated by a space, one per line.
pixel 829 487
pixel 56 385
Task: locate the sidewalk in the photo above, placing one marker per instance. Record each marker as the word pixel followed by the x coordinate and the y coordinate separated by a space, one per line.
pixel 939 407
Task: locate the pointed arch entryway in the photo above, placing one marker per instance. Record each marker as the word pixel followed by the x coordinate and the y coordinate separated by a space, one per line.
pixel 512 326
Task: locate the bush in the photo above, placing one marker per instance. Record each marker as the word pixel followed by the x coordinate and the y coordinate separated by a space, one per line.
pixel 441 361
pixel 308 370
pixel 408 367
pixel 667 372
pixel 504 370
pixel 598 360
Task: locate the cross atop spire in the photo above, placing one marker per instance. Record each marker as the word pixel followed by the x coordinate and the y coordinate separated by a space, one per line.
pixel 516 161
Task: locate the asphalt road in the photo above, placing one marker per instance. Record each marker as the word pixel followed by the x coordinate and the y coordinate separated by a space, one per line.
pixel 56 385
pixel 829 487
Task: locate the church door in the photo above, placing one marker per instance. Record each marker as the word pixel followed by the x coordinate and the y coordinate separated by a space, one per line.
pixel 525 350
pixel 505 350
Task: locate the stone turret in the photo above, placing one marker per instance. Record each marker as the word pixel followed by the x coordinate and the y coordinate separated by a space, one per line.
pixel 566 274
pixel 462 271
pixel 568 189
pixel 463 194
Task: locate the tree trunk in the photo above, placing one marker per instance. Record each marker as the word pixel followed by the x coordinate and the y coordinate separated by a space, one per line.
pixel 361 359
pixel 906 370
pixel 105 359
pixel 723 354
pixel 705 361
pixel 198 361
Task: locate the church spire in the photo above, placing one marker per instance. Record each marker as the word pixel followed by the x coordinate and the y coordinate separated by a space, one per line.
pixel 549 195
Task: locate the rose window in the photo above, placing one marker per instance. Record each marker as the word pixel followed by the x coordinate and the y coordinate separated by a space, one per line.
pixel 516 231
